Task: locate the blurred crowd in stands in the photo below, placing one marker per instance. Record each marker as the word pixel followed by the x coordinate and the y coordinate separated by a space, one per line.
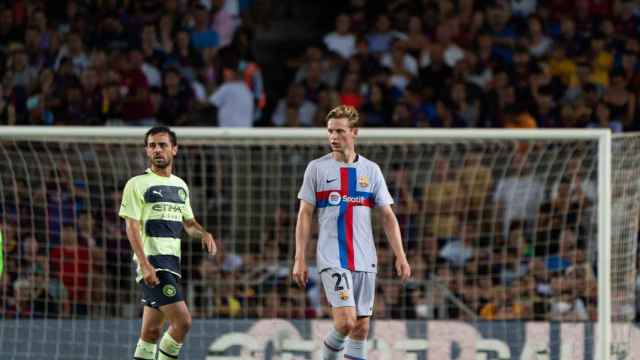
pixel 445 63
pixel 403 63
pixel 121 62
pixel 466 63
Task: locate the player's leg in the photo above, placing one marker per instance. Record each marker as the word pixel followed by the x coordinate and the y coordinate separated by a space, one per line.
pixel 168 299
pixel 356 344
pixel 179 325
pixel 152 321
pixel 364 286
pixel 338 289
pixel 344 321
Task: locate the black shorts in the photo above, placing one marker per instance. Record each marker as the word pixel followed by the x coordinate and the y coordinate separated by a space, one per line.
pixel 166 292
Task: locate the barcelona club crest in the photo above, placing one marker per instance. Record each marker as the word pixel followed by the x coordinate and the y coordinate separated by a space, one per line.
pixel 363 181
pixel 343 295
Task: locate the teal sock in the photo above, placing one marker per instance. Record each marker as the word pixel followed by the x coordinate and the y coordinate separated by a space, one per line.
pixel 168 348
pixel 145 351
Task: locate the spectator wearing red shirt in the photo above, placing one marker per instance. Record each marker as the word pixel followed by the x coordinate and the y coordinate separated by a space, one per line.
pixel 600 8
pixel 350 92
pixel 71 262
pixel 137 108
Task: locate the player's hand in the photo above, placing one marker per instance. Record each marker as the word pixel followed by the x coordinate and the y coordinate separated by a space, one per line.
pixel 209 244
pixel 149 275
pixel 403 269
pixel 300 273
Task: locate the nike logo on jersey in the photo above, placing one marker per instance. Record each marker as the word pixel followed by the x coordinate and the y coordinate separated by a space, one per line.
pixel 331 180
pixel 157 192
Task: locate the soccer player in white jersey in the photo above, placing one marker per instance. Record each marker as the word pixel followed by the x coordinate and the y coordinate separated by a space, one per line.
pixel 344 187
pixel 156 207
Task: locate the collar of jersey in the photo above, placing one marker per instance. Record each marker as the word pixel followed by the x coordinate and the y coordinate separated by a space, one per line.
pixel 149 171
pixel 347 164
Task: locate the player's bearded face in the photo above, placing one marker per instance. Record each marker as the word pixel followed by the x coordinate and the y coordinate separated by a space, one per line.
pixel 161 160
pixel 160 150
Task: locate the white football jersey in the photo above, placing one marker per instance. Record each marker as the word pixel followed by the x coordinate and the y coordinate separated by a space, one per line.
pixel 343 195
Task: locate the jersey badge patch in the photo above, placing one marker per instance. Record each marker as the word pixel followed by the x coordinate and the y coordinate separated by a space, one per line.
pixel 363 181
pixel 182 194
pixel 169 290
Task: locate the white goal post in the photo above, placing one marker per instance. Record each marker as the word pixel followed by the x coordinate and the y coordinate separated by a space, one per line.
pixel 204 136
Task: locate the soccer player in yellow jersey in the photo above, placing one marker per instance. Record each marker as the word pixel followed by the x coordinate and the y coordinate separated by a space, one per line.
pixel 156 207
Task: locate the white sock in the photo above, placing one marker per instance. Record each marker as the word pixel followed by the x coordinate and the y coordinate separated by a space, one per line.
pixel 332 345
pixel 168 349
pixel 145 351
pixel 356 350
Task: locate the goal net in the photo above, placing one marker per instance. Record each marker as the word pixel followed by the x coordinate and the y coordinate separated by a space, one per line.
pixel 510 246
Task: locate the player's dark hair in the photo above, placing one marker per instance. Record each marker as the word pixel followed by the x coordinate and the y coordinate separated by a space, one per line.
pixel 161 130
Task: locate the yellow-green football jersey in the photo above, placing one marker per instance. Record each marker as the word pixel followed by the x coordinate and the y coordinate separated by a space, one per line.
pixel 160 204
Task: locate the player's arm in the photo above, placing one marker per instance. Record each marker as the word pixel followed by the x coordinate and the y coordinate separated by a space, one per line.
pixel 303 233
pixel 131 212
pixel 195 230
pixel 392 230
pixel 133 234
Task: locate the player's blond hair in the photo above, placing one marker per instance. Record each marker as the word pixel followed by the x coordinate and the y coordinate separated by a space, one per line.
pixel 345 112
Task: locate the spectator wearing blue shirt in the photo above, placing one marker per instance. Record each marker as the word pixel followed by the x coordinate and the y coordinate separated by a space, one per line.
pixel 202 36
pixel 381 38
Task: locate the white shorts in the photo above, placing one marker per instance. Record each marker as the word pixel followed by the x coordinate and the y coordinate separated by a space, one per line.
pixel 345 288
